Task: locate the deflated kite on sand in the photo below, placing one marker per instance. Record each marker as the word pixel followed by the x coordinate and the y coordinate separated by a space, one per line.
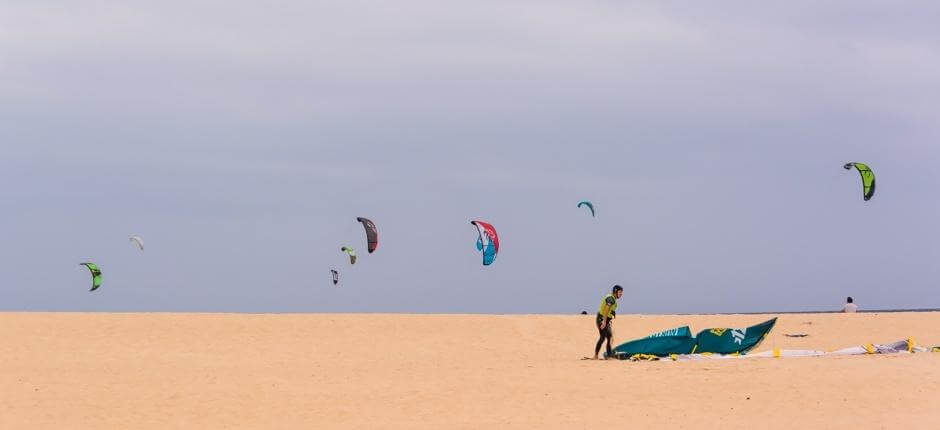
pixel 678 344
pixel 711 340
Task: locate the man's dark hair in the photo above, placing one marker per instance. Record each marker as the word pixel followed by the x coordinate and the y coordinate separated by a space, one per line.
pixel 617 288
pixel 848 299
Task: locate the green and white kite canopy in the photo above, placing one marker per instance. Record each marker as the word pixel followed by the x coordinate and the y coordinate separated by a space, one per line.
pixel 351 253
pixel 868 178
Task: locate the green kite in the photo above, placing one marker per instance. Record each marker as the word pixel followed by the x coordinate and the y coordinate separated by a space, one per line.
pixel 868 178
pixel 95 275
pixel 351 253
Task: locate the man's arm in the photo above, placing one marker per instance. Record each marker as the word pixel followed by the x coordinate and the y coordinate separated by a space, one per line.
pixel 606 311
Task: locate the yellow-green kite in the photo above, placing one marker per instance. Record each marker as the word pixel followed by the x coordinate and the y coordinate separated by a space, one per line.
pixel 868 178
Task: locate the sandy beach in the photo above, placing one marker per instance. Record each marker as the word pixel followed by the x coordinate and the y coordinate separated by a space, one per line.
pixel 166 370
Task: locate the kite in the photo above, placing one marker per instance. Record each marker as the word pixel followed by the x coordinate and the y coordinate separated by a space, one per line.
pixel 335 276
pixel 95 275
pixel 868 178
pixel 589 206
pixel 351 253
pixel 372 234
pixel 488 242
pixel 137 240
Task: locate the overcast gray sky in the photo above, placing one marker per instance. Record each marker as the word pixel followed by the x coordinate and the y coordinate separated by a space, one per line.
pixel 242 139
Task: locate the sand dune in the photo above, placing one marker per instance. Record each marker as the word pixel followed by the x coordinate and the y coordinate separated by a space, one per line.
pixel 102 370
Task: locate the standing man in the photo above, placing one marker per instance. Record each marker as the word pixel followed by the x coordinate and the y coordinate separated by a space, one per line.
pixel 605 315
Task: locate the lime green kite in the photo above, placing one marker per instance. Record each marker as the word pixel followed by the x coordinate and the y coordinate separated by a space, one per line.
pixel 351 253
pixel 868 178
pixel 95 275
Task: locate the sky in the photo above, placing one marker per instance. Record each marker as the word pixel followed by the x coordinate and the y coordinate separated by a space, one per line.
pixel 241 140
